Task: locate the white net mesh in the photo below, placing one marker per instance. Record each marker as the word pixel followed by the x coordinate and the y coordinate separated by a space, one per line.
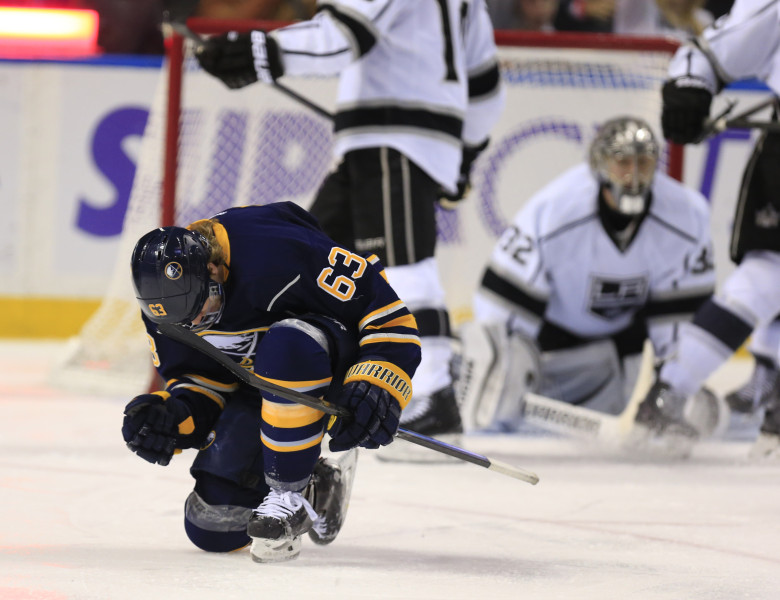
pixel 256 146
pixel 110 355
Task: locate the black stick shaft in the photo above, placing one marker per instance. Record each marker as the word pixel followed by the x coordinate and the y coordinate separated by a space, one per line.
pixel 186 32
pixel 194 341
pixel 741 121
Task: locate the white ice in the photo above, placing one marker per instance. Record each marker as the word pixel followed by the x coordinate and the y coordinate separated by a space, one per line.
pixel 83 518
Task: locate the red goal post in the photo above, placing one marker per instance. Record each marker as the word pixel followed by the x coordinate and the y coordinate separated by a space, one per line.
pixel 207 148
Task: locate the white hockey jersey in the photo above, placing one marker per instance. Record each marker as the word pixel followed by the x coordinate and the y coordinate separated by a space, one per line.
pixel 420 76
pixel 556 263
pixel 743 44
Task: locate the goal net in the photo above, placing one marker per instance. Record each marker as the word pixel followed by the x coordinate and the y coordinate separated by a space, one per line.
pixel 207 148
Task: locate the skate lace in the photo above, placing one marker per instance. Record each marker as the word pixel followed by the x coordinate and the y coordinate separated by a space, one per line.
pixel 284 504
pixel 320 527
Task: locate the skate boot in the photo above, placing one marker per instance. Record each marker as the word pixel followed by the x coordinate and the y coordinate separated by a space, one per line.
pixel 276 526
pixel 328 492
pixel 434 415
pixel 660 426
pixel 437 415
pixel 758 389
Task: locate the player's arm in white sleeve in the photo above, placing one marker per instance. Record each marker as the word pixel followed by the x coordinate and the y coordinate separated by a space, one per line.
pixel 487 95
pixel 740 45
pixel 340 33
pixel 686 285
pixel 514 289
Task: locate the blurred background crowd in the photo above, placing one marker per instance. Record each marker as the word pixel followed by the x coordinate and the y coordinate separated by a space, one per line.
pixel 133 26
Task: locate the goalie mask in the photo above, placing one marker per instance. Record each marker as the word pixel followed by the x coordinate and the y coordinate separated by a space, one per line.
pixel 623 158
pixel 171 278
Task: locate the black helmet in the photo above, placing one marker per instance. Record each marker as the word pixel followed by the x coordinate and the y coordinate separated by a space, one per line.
pixel 171 274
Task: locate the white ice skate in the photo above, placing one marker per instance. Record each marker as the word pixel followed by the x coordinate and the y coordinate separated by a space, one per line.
pixel 276 526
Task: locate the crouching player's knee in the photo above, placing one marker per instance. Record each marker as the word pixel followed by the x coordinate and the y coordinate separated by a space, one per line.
pixel 216 514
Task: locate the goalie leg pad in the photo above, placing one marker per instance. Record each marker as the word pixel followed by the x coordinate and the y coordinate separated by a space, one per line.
pixel 589 376
pixel 496 369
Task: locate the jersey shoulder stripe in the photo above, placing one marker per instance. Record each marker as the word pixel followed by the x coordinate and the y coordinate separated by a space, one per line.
pixel 665 224
pixel 361 32
pixel 513 293
pixel 568 227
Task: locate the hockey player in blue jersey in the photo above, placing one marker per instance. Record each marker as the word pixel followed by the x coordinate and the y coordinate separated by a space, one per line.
pixel 266 286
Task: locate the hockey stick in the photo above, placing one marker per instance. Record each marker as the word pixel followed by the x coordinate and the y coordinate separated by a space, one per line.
pixel 178 25
pixel 721 122
pixel 194 341
pixel 584 423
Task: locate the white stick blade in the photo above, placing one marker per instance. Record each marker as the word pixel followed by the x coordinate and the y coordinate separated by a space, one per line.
pixel 515 472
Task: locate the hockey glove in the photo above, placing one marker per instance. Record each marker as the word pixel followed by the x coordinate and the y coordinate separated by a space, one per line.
pixel 686 106
pixel 449 200
pixel 237 59
pixel 375 417
pixel 153 425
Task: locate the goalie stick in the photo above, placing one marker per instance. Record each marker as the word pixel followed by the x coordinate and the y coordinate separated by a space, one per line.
pixel 194 341
pixel 584 423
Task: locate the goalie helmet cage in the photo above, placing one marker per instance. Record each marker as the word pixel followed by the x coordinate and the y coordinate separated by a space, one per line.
pixel 207 148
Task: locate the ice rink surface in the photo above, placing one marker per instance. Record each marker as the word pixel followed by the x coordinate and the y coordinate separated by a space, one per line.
pixel 83 518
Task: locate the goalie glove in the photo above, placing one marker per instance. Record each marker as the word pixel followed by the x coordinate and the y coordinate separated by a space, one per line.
pixel 686 106
pixel 240 59
pixel 449 200
pixel 155 425
pixel 374 421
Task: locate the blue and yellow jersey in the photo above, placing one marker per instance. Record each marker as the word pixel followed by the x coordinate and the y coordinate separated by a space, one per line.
pixel 280 265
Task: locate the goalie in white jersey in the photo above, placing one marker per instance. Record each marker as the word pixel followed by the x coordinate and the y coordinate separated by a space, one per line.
pixel 419 91
pixel 741 45
pixel 609 253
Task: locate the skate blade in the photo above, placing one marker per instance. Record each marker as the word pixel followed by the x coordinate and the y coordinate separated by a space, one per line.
pixel 766 447
pixel 272 551
pixel 347 464
pixel 401 452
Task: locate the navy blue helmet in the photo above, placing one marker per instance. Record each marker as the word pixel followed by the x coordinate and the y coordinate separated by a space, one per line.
pixel 171 275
